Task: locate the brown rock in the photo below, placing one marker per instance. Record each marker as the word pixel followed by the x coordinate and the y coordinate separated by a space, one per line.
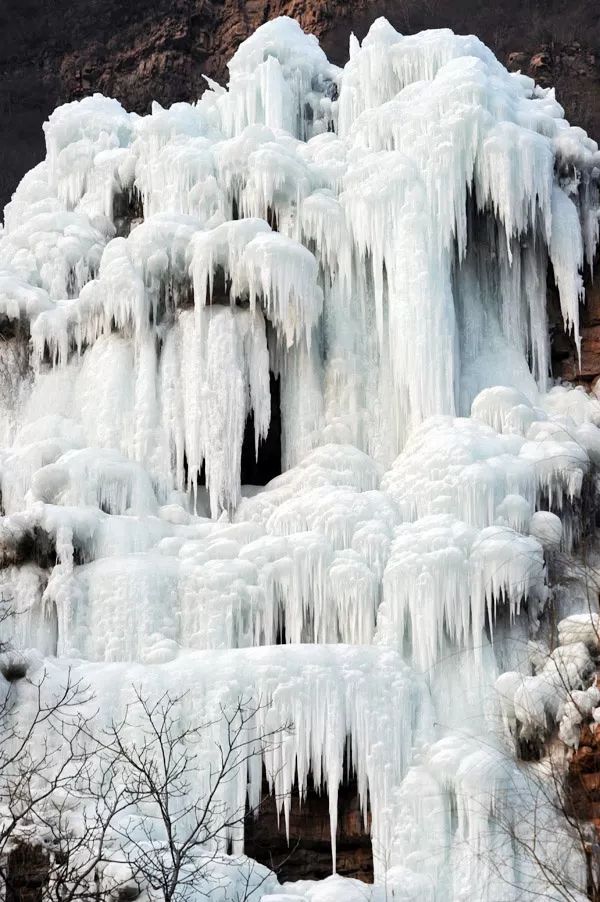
pixel 585 760
pixel 517 60
pixel 591 783
pixel 27 874
pixel 566 364
pixel 540 63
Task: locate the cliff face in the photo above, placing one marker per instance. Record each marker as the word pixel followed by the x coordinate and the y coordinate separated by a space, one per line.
pixel 139 50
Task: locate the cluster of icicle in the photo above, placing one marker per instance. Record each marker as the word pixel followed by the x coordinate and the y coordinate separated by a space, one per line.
pixel 379 238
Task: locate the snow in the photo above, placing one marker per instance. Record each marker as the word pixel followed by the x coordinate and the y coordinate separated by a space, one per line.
pixel 547 528
pixel 378 239
pixel 274 77
pixel 261 264
pixel 19 299
pixel 443 579
pixel 534 703
pixel 580 628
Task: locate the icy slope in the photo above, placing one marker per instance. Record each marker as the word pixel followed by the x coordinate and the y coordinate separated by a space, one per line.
pixel 379 238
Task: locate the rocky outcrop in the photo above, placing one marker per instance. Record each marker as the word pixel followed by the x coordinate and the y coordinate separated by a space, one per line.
pixel 564 353
pixel 584 777
pixel 582 801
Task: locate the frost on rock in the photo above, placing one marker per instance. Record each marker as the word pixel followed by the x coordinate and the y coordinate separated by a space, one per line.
pixel 371 246
pixel 532 704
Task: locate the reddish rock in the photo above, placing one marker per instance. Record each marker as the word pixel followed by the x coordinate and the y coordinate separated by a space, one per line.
pixel 591 784
pixel 517 60
pixel 540 64
pixel 583 778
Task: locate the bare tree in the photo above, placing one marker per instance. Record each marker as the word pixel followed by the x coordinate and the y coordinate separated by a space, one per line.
pixel 152 801
pixel 81 830
pixel 552 844
pixel 40 754
pixel 188 789
pixel 60 789
pixel 551 780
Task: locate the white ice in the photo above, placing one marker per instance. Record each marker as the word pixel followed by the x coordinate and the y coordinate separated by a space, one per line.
pixel 378 238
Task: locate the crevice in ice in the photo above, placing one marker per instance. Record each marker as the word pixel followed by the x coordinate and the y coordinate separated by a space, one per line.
pixel 258 467
pixel 26 545
pixel 127 211
pixel 306 851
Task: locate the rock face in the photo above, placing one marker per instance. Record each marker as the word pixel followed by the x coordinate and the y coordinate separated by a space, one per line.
pixel 584 777
pixel 564 352
pixel 52 51
pixel 307 856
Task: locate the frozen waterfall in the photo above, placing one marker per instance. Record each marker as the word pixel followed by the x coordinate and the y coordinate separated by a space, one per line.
pixel 377 240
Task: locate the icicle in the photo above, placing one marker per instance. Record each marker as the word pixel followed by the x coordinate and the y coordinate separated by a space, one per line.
pixel 566 255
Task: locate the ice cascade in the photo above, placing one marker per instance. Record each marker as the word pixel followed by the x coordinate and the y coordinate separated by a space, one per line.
pixel 376 241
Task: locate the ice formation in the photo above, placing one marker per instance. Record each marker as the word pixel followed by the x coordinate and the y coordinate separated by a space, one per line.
pixel 377 238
